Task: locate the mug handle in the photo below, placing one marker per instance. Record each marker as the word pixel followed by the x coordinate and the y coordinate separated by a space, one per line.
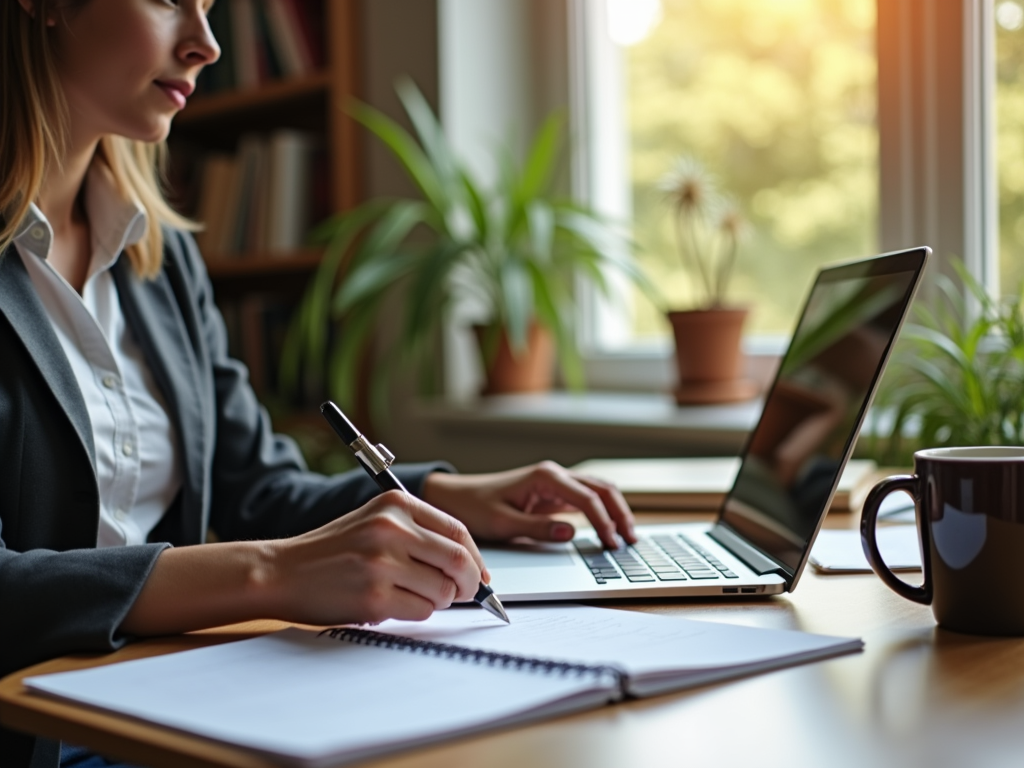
pixel 868 520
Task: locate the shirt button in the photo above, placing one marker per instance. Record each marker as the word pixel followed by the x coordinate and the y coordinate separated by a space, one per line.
pixel 109 381
pixel 127 449
pixel 37 232
pixel 120 514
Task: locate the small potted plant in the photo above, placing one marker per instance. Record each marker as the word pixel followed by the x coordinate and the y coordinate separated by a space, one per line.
pixel 958 374
pixel 514 247
pixel 708 228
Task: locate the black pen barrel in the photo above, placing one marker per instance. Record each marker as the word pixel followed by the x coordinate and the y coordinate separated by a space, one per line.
pixel 339 422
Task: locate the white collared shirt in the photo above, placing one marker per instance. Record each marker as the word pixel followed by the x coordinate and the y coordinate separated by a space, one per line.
pixel 137 464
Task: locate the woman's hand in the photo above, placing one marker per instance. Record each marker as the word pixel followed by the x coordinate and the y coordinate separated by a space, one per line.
pixel 503 505
pixel 395 557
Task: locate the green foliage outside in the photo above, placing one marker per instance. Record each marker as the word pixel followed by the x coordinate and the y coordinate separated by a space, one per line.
pixel 778 99
pixel 1010 152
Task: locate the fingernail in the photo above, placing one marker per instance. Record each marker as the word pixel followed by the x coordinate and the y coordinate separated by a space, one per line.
pixel 485 575
pixel 562 531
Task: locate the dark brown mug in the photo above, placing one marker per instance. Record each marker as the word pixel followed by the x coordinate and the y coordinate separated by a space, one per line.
pixel 970 520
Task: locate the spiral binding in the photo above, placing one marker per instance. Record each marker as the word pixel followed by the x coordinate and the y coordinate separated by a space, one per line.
pixel 490 658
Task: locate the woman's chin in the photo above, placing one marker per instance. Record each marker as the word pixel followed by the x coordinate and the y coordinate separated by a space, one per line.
pixel 150 132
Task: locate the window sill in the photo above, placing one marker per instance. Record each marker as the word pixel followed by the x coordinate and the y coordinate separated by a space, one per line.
pixel 619 423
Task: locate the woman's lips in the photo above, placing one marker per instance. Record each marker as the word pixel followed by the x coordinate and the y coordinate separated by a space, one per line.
pixel 175 92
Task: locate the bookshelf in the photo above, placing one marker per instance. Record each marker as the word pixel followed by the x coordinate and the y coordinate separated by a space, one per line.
pixel 251 279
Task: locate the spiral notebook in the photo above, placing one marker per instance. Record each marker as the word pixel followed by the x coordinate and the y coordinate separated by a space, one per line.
pixel 315 699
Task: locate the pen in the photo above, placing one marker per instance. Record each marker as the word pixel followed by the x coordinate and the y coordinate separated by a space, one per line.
pixel 376 460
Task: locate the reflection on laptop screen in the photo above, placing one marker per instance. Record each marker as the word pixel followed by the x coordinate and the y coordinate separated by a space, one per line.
pixel 811 415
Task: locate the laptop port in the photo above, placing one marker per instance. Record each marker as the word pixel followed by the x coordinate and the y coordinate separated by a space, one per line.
pixel 729 590
pixel 748 590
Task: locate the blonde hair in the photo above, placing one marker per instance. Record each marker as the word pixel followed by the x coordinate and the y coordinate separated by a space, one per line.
pixel 33 134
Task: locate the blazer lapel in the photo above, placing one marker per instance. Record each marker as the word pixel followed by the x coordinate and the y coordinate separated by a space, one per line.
pixel 20 304
pixel 153 314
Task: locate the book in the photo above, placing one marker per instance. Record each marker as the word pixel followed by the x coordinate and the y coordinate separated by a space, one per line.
pixel 289 190
pixel 313 699
pixel 287 38
pixel 245 43
pixel 217 180
pixel 701 483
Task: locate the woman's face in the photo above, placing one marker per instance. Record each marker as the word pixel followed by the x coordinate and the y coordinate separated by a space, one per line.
pixel 127 66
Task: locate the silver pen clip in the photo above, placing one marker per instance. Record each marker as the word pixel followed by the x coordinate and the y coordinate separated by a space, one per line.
pixel 376 457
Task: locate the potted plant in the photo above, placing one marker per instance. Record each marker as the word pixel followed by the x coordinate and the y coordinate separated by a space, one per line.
pixel 708 227
pixel 513 247
pixel 958 375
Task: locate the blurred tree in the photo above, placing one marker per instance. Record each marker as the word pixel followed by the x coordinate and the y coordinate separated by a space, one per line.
pixel 778 98
pixel 1010 139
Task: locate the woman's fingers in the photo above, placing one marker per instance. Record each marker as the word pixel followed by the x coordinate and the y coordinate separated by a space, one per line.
pixel 407 605
pixel 602 504
pixel 449 558
pixel 510 522
pixel 446 526
pixel 427 582
pixel 615 503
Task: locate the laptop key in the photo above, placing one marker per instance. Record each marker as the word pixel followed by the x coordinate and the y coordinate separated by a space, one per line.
pixel 678 576
pixel 729 575
pixel 638 579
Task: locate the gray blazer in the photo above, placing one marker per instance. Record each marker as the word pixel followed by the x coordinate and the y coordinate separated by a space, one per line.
pixel 58 593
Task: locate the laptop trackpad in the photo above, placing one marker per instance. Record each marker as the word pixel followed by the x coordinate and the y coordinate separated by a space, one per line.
pixel 528 556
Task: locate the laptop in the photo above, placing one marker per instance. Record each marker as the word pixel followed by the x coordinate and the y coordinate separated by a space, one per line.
pixel 789 469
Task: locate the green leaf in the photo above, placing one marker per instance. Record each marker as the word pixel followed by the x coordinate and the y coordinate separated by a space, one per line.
pixel 477 207
pixel 517 295
pixel 307 333
pixel 371 280
pixel 428 293
pixel 408 153
pixel 541 225
pixel 428 130
pixel 541 158
pixel 940 342
pixel 347 355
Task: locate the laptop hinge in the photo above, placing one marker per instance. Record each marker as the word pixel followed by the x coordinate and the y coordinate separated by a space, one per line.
pixel 753 559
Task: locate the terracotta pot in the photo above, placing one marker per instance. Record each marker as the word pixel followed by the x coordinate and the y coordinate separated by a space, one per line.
pixel 532 370
pixel 709 358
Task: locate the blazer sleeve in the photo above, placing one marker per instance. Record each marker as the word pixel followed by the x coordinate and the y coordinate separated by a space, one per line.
pixel 260 486
pixel 54 603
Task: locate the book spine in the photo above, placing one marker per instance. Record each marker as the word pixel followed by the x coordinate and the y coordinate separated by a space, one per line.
pixel 245 43
pixel 309 16
pixel 270 65
pixel 289 190
pixel 287 39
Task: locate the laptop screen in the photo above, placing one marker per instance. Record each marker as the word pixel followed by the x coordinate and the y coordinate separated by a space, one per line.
pixel 815 407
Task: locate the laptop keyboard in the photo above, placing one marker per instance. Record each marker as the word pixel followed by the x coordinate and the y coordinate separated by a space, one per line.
pixel 652 559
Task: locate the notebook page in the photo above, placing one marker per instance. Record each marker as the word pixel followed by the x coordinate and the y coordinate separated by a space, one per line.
pixel 315 699
pixel 673 650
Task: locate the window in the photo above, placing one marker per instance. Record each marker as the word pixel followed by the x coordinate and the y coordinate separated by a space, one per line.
pixel 1009 54
pixel 776 98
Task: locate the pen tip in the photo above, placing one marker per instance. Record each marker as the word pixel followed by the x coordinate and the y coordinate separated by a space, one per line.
pixel 493 606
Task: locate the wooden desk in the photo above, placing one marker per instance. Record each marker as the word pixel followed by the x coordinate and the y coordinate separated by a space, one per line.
pixel 916 696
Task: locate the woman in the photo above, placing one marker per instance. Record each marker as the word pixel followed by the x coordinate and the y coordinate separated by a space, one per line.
pixel 126 431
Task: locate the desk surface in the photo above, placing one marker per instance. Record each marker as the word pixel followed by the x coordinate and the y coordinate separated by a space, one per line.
pixel 917 695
